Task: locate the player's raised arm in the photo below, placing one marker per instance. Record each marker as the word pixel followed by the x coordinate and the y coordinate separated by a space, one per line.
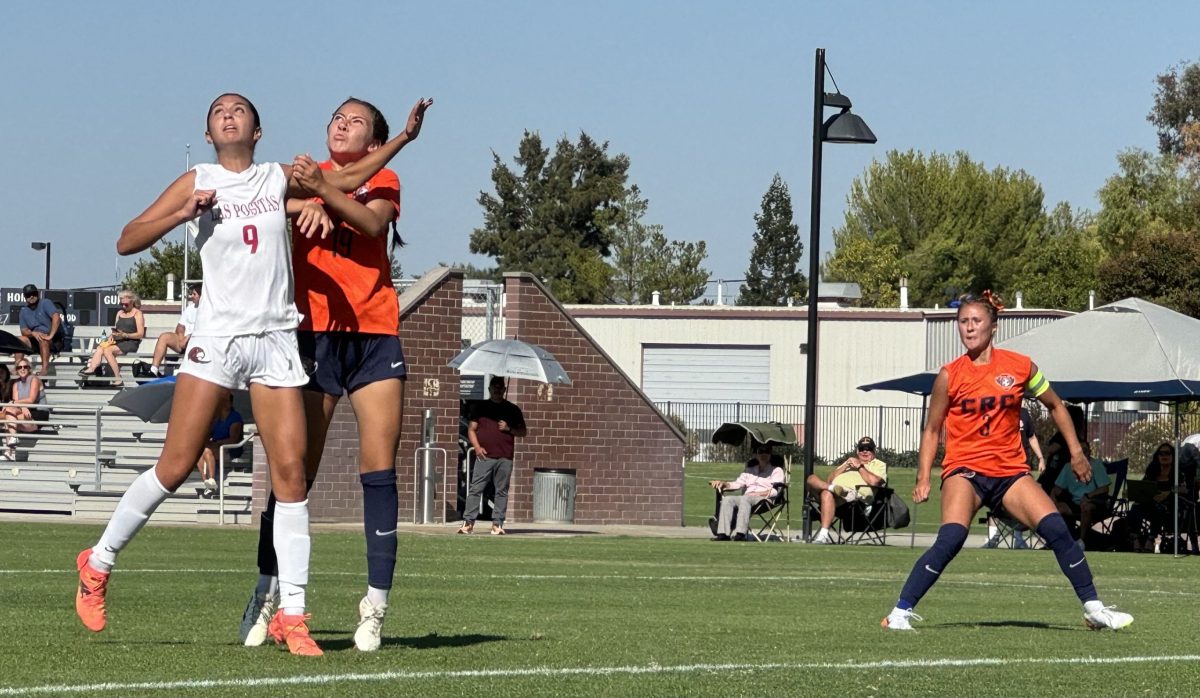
pixel 181 202
pixel 355 175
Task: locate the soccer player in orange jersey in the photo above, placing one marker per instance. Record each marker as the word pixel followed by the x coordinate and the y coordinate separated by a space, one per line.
pixel 349 338
pixel 977 397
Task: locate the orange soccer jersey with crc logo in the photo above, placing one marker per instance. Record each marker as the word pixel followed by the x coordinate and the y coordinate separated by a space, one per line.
pixel 344 281
pixel 983 420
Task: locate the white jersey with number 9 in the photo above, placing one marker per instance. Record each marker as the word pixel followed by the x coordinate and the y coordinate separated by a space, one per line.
pixel 245 252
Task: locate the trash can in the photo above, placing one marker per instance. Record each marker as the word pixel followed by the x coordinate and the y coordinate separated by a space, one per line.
pixel 553 495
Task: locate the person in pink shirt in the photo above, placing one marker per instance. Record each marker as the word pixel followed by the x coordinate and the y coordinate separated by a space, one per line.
pixel 758 482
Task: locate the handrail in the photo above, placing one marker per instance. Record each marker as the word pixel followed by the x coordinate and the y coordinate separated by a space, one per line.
pixel 221 474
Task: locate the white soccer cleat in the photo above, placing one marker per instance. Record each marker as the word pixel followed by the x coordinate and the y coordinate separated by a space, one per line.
pixel 256 619
pixel 899 619
pixel 370 622
pixel 1107 617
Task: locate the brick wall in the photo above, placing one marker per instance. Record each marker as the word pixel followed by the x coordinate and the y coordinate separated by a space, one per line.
pixel 430 321
pixel 628 459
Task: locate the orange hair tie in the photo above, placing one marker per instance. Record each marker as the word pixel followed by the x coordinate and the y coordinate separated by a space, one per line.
pixel 993 299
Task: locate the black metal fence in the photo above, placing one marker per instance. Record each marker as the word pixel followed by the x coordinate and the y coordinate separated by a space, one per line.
pixel 1112 434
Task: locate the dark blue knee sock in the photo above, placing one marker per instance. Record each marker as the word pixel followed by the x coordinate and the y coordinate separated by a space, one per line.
pixel 950 539
pixel 380 513
pixel 267 564
pixel 1053 530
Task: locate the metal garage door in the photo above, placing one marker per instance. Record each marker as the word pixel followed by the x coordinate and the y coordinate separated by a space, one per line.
pixel 706 373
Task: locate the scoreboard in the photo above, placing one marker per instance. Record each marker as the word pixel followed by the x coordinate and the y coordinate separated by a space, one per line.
pixel 84 308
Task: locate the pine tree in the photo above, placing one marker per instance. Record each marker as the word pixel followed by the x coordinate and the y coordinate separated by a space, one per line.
pixel 774 274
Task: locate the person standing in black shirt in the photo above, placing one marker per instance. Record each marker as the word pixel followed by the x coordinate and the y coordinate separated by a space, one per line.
pixel 492 430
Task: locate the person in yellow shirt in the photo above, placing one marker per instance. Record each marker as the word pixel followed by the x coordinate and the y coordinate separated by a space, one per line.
pixel 850 481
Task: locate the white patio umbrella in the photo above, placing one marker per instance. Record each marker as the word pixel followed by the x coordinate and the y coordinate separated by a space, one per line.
pixel 511 358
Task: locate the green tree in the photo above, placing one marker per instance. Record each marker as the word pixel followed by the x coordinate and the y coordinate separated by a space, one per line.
pixel 148 277
pixel 951 224
pixel 774 275
pixel 1149 195
pixel 1163 269
pixel 644 260
pixel 1060 270
pixel 1176 111
pixel 554 216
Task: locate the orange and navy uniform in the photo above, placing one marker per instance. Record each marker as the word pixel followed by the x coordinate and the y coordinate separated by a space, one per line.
pixel 344 281
pixel 983 420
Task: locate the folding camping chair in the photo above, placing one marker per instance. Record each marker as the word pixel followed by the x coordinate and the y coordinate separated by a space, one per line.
pixel 859 522
pixel 766 515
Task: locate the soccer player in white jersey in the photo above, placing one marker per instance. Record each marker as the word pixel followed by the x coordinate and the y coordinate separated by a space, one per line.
pixel 245 337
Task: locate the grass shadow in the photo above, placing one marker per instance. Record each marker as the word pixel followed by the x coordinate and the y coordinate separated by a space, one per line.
pixel 1038 625
pixel 425 642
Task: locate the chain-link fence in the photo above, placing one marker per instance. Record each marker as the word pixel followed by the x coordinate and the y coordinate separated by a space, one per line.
pixel 483 318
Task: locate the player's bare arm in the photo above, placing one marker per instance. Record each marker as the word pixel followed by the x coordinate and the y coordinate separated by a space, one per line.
pixel 310 217
pixel 371 219
pixel 179 203
pixel 356 174
pixel 939 405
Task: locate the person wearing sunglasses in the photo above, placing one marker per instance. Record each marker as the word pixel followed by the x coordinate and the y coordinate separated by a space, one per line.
pixel 850 481
pixel 25 392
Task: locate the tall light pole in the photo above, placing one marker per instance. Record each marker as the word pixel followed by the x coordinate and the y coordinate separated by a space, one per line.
pixel 843 127
pixel 39 246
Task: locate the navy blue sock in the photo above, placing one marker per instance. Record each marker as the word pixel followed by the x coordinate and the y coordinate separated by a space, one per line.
pixel 267 564
pixel 380 513
pixel 1053 530
pixel 950 539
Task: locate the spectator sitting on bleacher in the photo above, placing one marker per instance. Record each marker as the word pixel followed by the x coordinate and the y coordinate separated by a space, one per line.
pixel 227 428
pixel 177 339
pixel 26 392
pixel 40 322
pixel 127 334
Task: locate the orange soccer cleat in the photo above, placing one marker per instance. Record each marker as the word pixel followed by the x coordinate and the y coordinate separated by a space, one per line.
pixel 293 630
pixel 89 598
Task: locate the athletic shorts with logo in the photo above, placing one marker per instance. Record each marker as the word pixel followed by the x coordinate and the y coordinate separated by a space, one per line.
pixel 342 362
pixel 270 358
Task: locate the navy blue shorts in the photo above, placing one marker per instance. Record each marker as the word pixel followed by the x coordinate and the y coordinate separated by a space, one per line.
pixel 342 362
pixel 991 490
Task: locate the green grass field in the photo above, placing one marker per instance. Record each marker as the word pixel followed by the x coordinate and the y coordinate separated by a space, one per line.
pixel 592 615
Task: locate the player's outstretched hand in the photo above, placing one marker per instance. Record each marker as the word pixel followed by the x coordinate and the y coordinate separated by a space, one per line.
pixel 313 219
pixel 416 117
pixel 308 174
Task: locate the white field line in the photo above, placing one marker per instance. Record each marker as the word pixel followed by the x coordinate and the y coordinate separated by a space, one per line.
pixel 544 672
pixel 898 578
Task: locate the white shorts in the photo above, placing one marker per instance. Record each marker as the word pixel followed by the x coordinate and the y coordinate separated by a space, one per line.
pixel 270 358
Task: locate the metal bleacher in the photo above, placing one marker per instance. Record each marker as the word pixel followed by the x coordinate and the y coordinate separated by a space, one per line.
pixel 86 453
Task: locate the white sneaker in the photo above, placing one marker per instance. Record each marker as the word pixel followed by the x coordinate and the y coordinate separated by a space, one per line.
pixel 822 538
pixel 370 622
pixel 899 620
pixel 256 618
pixel 1107 617
pixel 11 441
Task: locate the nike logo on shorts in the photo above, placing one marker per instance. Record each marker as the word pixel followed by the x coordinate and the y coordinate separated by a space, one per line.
pixel 384 533
pixel 396 364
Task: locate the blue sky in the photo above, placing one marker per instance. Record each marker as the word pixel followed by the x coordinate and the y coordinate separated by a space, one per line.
pixel 708 99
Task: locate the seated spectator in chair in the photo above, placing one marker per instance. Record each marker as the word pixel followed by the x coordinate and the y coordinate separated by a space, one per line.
pixel 177 339
pixel 757 482
pixel 1149 522
pixel 851 481
pixel 26 392
pixel 1057 455
pixel 227 428
pixel 127 334
pixel 41 325
pixel 1082 503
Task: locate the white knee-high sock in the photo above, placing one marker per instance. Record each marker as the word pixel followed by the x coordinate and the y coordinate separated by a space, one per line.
pixel 292 550
pixel 132 512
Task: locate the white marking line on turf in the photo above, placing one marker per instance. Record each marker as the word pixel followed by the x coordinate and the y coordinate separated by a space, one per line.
pixel 645 578
pixel 541 672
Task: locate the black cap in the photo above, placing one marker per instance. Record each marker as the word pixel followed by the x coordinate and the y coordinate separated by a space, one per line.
pixel 30 290
pixel 866 443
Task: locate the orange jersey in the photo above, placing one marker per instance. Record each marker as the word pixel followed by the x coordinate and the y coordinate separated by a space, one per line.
pixel 344 281
pixel 983 421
